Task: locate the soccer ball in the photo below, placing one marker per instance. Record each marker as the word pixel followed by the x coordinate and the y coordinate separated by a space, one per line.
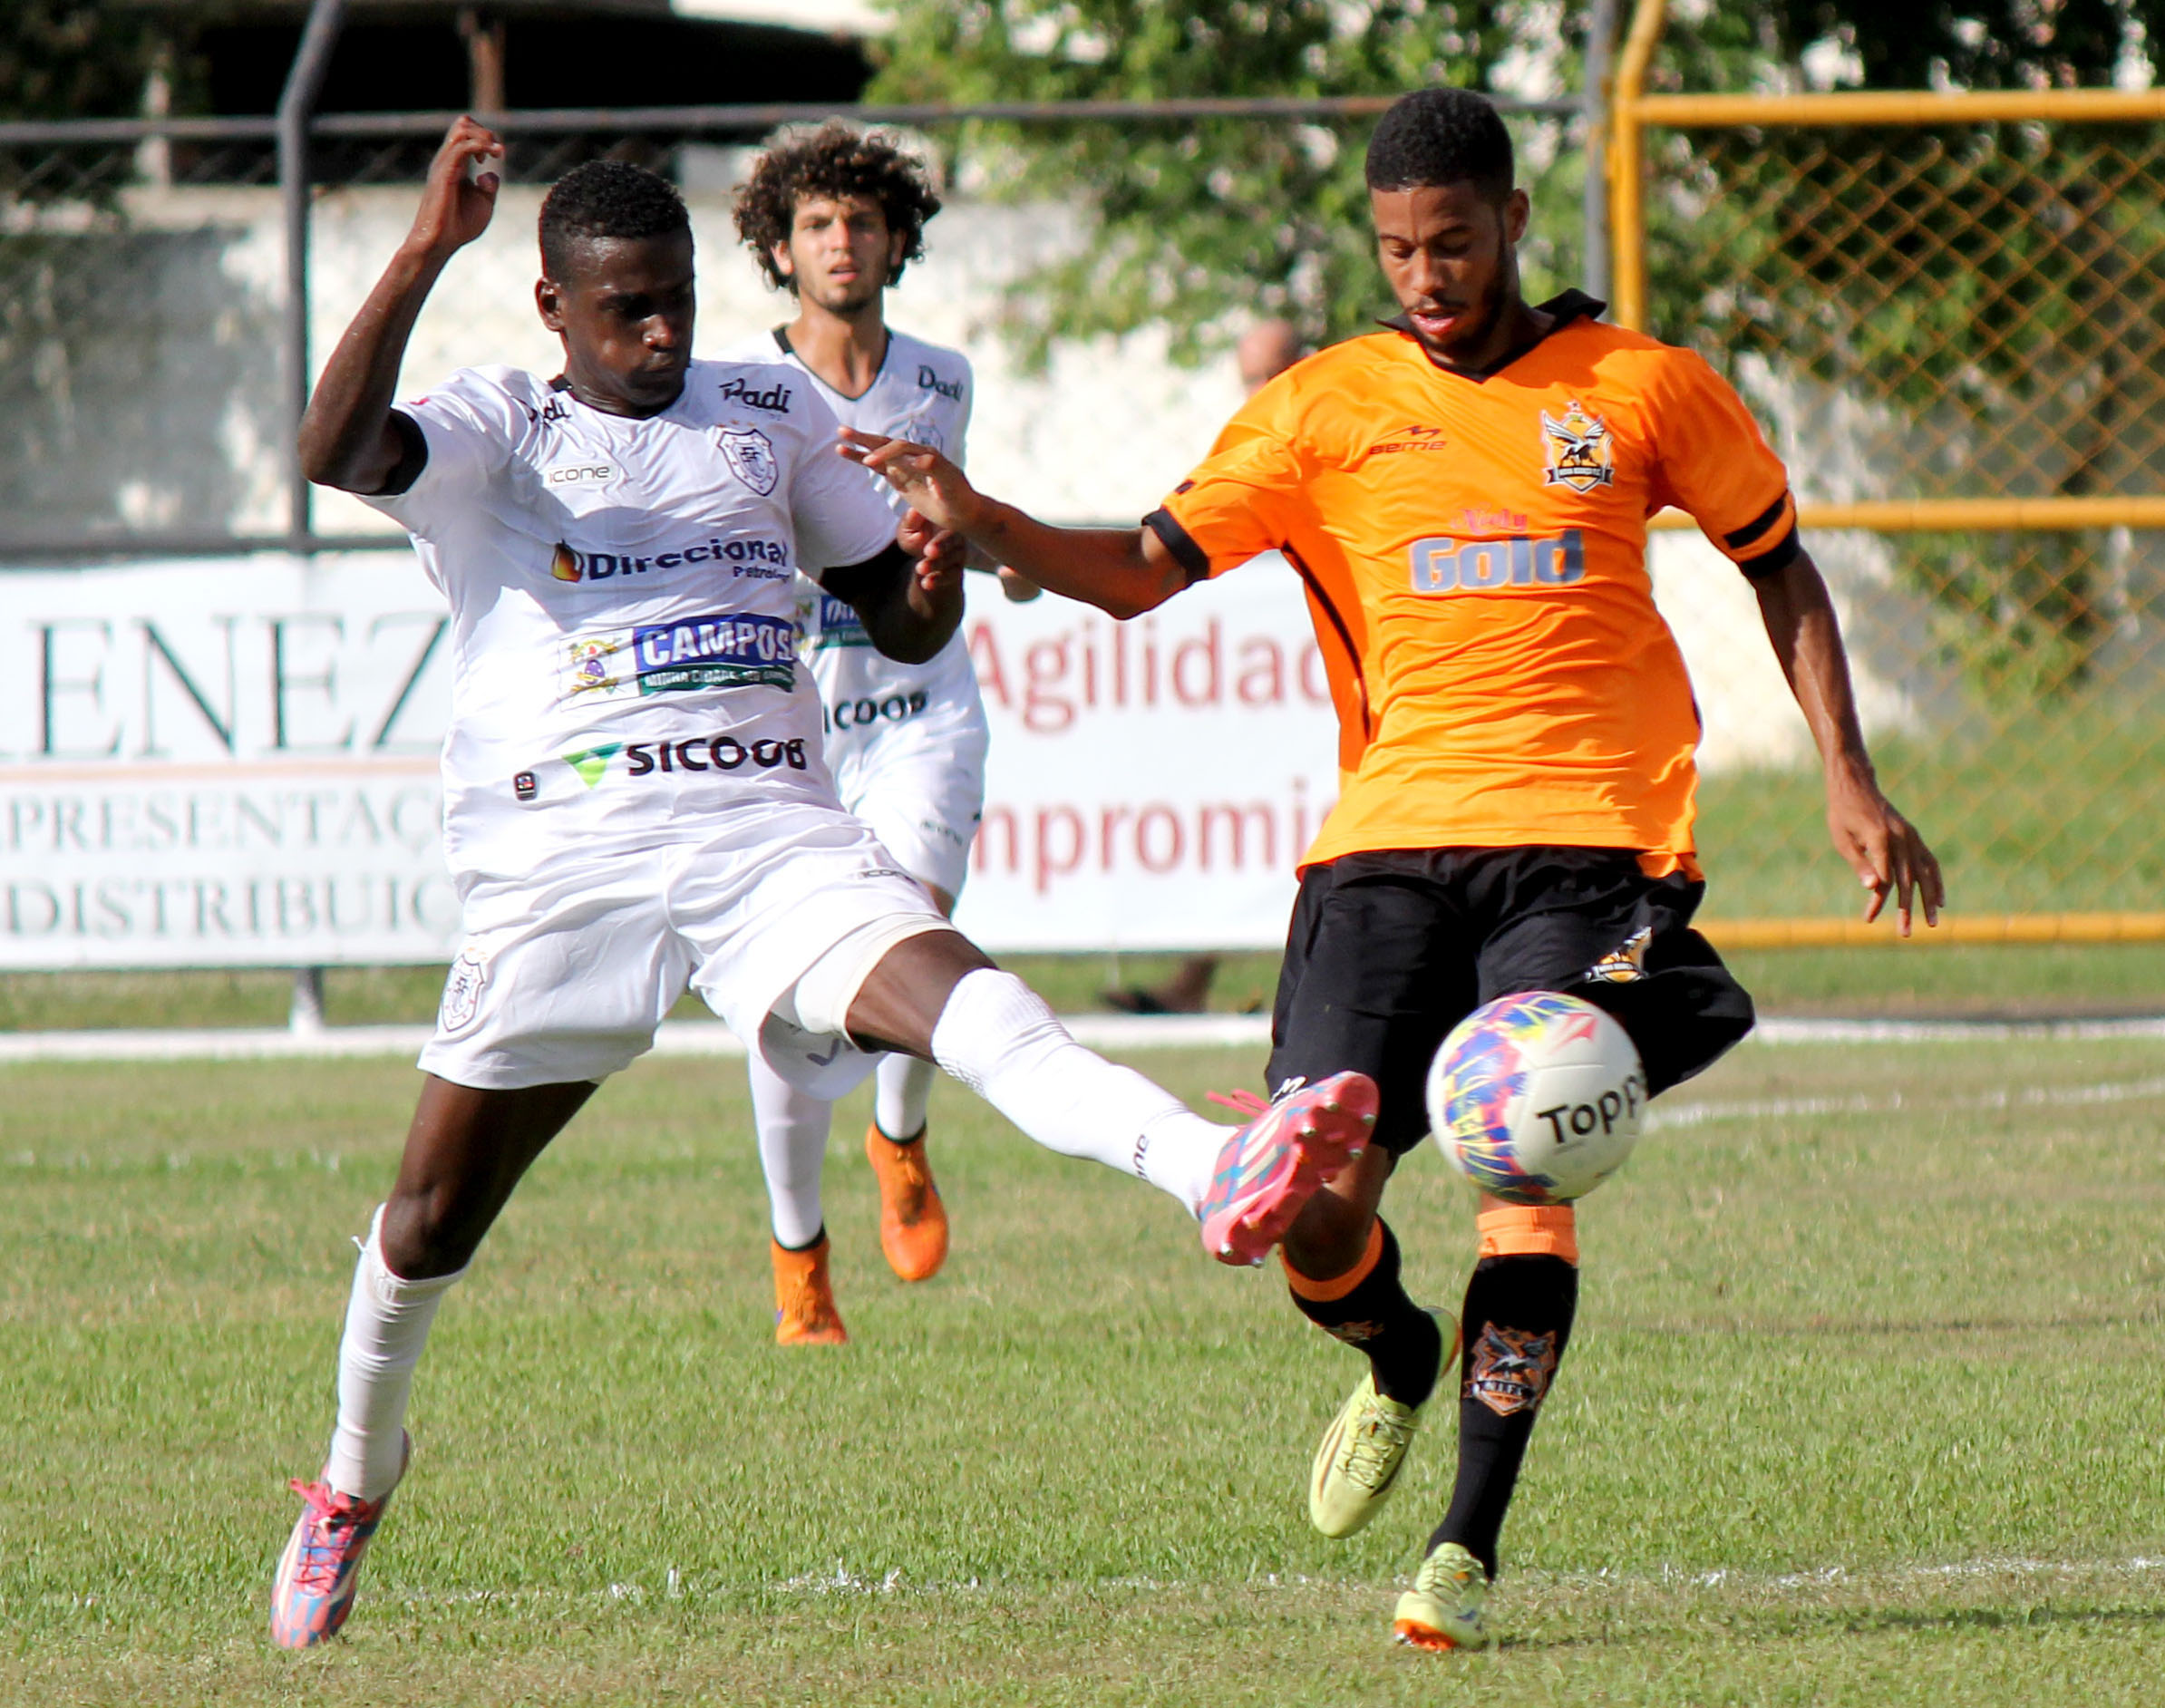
pixel 1536 1097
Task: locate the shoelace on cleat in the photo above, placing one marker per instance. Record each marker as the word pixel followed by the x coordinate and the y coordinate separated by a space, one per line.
pixel 1372 1446
pixel 327 1538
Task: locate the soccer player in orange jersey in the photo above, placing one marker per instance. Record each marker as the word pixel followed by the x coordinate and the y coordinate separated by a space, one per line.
pixel 1465 495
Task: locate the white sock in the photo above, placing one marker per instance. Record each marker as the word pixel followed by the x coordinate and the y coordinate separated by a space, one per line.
pixel 901 1087
pixel 998 1038
pixel 386 1324
pixel 793 1150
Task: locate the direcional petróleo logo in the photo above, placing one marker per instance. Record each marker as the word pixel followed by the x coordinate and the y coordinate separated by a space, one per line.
pixel 1496 566
pixel 755 555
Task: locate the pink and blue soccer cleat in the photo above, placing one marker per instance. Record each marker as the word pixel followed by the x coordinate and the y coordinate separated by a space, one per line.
pixel 320 1568
pixel 1273 1166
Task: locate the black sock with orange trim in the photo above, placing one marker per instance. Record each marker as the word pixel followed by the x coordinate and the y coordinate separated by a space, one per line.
pixel 1517 1323
pixel 1367 1307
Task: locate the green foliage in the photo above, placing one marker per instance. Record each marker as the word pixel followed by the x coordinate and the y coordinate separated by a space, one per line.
pixel 76 59
pixel 1192 224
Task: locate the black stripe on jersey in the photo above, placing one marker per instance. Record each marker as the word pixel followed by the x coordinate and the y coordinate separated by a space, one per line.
pixel 1774 559
pixel 1190 557
pixel 412 457
pixel 1353 655
pixel 1748 535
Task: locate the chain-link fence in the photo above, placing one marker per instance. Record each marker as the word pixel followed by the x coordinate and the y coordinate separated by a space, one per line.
pixel 1954 330
pixel 143 284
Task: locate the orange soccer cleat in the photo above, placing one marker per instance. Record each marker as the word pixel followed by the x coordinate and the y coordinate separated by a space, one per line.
pixel 804 1308
pixel 913 1222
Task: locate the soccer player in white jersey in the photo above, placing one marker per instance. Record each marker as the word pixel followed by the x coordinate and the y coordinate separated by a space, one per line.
pixel 834 215
pixel 634 799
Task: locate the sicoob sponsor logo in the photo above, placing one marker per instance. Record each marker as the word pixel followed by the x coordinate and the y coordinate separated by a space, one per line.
pixel 721 651
pixel 713 752
pixel 760 559
pixel 1491 565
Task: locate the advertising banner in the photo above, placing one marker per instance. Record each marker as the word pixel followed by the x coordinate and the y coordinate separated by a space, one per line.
pixel 232 762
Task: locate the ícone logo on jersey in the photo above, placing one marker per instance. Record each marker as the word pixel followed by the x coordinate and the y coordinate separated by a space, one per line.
pixel 1575 450
pixel 749 454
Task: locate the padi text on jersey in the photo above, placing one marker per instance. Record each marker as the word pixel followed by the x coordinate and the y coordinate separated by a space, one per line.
pixel 722 650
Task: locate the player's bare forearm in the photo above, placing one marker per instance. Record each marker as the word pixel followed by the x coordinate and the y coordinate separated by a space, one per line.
pixel 1889 857
pixel 1807 639
pixel 346 439
pixel 1123 571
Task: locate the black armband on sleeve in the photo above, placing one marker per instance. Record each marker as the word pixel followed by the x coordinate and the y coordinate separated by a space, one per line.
pixel 1191 557
pixel 411 459
pixel 853 582
pixel 1776 558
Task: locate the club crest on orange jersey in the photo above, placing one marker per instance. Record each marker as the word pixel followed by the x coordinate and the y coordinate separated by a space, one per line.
pixel 1575 450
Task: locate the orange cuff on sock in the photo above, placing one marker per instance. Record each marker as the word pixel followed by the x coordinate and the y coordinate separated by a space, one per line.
pixel 1338 1285
pixel 1527 1230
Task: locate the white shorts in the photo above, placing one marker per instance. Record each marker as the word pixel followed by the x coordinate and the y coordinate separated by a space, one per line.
pixel 566 970
pixel 921 787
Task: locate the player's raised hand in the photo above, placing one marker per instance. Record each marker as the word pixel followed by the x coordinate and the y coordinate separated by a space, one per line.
pixel 935 488
pixel 1889 857
pixel 460 196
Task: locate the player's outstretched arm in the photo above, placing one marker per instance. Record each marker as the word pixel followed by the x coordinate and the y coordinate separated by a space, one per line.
pixel 347 437
pixel 1123 571
pixel 1882 847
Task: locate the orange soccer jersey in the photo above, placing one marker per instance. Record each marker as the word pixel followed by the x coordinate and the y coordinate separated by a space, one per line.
pixel 1475 555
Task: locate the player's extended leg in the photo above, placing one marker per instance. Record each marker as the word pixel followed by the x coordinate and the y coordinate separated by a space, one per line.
pixel 913 1220
pixel 937 995
pixel 1516 1324
pixel 465 1150
pixel 792 1128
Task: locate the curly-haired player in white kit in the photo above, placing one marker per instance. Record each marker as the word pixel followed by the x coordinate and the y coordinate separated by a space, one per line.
pixel 834 216
pixel 634 799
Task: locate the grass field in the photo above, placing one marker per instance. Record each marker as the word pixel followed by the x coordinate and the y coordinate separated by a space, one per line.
pixel 1864 1410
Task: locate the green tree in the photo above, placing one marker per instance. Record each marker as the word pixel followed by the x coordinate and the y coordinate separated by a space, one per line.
pixel 1193 225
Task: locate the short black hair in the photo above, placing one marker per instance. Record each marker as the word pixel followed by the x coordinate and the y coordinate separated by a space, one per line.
pixel 607 198
pixel 834 160
pixel 1441 136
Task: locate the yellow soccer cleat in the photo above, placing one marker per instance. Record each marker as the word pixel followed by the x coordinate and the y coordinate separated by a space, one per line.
pixel 1443 1610
pixel 804 1308
pixel 913 1222
pixel 1364 1448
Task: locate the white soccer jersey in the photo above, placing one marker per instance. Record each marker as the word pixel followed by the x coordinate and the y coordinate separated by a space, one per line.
pixel 922 392
pixel 622 605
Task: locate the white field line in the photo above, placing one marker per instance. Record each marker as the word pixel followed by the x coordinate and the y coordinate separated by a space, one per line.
pixel 1116 1032
pixel 2030 1097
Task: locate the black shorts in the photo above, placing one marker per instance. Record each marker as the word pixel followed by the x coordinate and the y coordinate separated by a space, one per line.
pixel 1390 950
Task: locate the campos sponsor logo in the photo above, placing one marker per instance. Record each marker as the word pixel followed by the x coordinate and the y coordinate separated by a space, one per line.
pixel 713 752
pixel 928 380
pixel 749 454
pixel 1414 438
pixel 573 474
pixel 1491 566
pixel 862 714
pixel 774 399
pixel 721 651
pixel 759 559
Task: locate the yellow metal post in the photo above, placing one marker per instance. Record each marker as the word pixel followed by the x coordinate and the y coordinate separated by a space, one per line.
pixel 1627 165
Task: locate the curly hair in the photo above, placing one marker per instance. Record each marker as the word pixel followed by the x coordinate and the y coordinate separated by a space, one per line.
pixel 607 198
pixel 834 160
pixel 1440 136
